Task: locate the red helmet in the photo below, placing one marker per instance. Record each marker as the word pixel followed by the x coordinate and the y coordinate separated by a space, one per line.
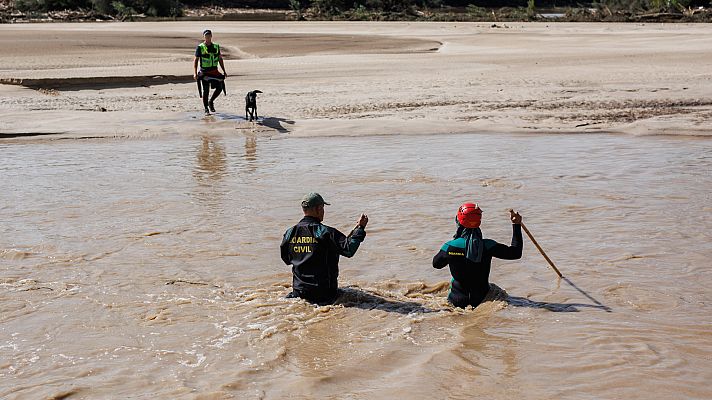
pixel 469 215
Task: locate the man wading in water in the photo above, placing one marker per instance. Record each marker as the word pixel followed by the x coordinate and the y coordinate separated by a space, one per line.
pixel 313 250
pixel 470 256
pixel 209 56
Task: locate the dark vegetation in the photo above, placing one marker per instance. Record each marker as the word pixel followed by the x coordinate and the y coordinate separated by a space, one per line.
pixel 364 10
pixel 118 8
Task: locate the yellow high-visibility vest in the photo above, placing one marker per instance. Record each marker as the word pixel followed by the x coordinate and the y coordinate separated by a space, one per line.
pixel 207 59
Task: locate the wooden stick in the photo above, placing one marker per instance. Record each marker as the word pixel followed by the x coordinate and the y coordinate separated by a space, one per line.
pixel 541 251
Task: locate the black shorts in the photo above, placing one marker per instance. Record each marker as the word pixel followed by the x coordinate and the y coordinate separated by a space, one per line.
pixel 214 84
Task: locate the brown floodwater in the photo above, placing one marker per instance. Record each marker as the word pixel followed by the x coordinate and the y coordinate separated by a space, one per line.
pixel 149 268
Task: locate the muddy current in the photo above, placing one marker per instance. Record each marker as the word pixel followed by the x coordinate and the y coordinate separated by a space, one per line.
pixel 150 268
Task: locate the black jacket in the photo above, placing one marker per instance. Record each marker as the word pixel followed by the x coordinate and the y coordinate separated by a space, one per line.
pixel 313 250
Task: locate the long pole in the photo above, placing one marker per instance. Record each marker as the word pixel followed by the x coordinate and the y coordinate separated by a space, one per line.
pixel 542 251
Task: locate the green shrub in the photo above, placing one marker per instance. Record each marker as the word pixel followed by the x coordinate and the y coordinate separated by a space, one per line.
pixel 29 5
pixel 123 11
pixel 296 6
pixel 129 8
pixel 360 13
pixel 669 5
pixel 640 6
pixel 162 8
pixel 50 5
pixel 103 6
pixel 329 8
pixel 390 5
pixel 476 11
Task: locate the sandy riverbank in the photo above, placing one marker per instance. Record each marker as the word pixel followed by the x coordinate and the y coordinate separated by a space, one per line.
pixel 360 78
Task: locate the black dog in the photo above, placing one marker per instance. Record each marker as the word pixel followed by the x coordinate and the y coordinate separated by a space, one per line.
pixel 251 105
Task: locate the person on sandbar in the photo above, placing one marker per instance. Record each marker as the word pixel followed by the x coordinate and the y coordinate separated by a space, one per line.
pixel 470 256
pixel 208 57
pixel 313 250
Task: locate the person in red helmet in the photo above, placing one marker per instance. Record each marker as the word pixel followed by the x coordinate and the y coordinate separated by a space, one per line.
pixel 470 256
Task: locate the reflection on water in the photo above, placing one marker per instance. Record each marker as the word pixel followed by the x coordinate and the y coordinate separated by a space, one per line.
pixel 159 259
pixel 211 162
pixel 210 169
pixel 250 153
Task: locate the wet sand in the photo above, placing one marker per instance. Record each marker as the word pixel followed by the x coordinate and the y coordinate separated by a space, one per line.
pixel 142 262
pixel 362 78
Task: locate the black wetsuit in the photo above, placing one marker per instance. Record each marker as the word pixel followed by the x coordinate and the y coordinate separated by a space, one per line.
pixel 313 250
pixel 470 280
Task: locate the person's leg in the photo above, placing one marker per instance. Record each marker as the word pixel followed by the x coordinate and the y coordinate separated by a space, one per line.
pixel 216 93
pixel 330 297
pixel 206 93
pixel 477 297
pixel 458 299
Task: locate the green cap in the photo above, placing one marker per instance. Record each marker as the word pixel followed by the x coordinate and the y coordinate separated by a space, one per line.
pixel 313 200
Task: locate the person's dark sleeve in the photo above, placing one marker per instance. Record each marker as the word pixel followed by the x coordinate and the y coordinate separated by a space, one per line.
pixel 440 259
pixel 284 246
pixel 197 51
pixel 347 245
pixel 512 252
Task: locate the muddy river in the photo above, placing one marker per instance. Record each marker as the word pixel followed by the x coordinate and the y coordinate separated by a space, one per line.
pixel 150 268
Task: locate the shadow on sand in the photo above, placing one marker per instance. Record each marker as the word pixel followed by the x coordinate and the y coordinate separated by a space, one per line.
pixel 97 83
pixel 276 123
